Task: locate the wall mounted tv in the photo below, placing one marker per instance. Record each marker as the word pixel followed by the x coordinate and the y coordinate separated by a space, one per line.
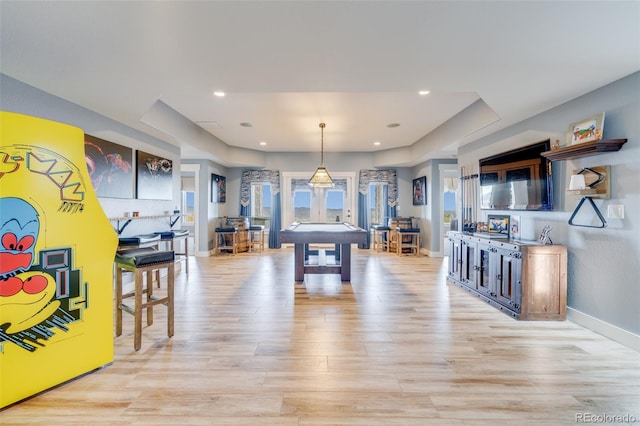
pixel 517 180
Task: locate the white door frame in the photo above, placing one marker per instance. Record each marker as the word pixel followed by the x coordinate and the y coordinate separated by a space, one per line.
pixel 195 168
pixel 445 171
pixel 287 200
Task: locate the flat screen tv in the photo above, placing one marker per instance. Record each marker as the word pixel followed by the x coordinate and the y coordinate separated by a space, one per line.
pixel 517 180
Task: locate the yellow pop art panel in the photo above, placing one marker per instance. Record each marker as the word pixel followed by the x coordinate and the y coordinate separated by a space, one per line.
pixel 56 255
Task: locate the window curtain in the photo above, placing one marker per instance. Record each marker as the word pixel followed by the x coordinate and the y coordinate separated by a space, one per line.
pixel 273 177
pixel 388 176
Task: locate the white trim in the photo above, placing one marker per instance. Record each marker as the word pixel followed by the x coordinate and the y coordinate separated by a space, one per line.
pixel 610 331
pixel 430 253
pixel 195 168
pixel 287 201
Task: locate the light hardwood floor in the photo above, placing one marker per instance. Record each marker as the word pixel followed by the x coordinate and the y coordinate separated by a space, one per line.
pixel 396 346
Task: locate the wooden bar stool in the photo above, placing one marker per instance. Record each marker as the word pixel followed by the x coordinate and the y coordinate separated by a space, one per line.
pixel 409 240
pixel 141 261
pixel 380 238
pixel 227 239
pixel 173 235
pixel 256 238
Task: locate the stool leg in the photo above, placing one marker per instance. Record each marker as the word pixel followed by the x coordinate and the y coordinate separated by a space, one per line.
pixel 235 243
pixel 170 291
pixel 149 292
pixel 118 301
pixel 186 254
pixel 137 332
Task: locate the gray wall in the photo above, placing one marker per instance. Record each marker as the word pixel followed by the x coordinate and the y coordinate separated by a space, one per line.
pixel 22 98
pixel 603 263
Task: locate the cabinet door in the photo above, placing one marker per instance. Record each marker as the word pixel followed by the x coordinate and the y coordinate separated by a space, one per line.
pixel 508 278
pixel 469 268
pixel 455 259
pixel 484 281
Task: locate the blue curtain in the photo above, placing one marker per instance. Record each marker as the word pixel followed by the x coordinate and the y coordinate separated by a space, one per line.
pixel 363 217
pixel 275 225
pixel 391 194
pixel 390 211
pixel 273 177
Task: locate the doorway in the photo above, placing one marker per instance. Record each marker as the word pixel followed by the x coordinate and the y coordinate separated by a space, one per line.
pixel 302 203
pixel 189 204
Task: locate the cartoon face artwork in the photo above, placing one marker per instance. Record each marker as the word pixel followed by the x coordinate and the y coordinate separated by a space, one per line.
pixel 19 227
pixel 31 302
pixel 25 297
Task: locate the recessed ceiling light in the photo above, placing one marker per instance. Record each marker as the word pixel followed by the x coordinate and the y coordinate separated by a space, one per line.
pixel 208 124
pixel 392 125
pixel 218 94
pixel 246 124
pixel 423 92
pixel 377 143
pixel 263 143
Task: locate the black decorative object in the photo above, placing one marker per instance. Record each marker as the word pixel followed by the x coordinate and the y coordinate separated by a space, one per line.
pixel 420 191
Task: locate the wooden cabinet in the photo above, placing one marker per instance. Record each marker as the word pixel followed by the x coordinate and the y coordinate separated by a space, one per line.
pixel 525 280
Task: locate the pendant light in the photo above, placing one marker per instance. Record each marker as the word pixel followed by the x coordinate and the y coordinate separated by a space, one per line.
pixel 321 178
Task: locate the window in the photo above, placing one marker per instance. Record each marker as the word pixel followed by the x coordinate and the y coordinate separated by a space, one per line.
pixel 377 202
pixel 302 205
pixel 260 203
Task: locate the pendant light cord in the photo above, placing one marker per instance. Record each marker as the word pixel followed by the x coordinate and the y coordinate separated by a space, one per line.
pixel 322 143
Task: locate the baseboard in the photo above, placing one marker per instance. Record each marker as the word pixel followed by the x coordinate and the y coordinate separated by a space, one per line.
pixel 430 253
pixel 610 331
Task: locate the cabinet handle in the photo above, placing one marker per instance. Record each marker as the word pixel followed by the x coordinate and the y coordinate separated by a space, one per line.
pixel 498 277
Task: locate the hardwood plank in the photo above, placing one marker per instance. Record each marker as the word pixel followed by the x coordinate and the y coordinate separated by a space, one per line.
pixel 395 346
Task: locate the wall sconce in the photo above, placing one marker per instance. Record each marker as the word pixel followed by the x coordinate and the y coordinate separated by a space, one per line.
pixel 577 182
pixel 590 182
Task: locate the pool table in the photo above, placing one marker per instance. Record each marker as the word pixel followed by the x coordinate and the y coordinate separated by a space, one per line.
pixel 340 234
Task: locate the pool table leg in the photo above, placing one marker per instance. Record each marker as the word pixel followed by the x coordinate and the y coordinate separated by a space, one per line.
pixel 345 262
pixel 298 261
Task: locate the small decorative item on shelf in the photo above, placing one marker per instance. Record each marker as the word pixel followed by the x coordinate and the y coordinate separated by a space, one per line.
pixel 587 130
pixel 514 231
pixel 544 237
pixel 136 214
pixel 498 225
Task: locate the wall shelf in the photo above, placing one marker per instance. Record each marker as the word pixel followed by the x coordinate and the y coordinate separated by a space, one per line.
pixel 173 218
pixel 584 149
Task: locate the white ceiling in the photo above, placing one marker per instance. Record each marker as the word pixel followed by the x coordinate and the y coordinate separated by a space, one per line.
pixel 287 66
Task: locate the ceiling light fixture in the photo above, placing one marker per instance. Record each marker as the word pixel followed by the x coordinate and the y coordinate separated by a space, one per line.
pixel 423 92
pixel 321 178
pixel 218 94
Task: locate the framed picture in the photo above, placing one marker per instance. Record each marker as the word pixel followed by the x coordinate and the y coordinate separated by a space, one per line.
pixel 218 188
pixel 110 167
pixel 514 227
pixel 587 130
pixel 154 177
pixel 420 191
pixel 498 224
